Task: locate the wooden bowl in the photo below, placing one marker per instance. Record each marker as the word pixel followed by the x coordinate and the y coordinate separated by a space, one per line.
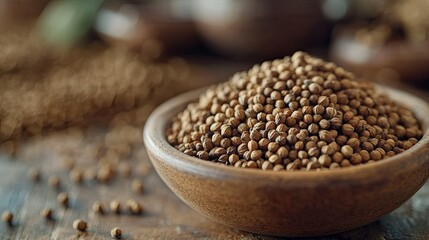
pixel 289 203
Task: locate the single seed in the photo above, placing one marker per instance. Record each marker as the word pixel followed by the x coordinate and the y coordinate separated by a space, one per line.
pixel 347 151
pixel 33 174
pixel 76 175
pixel 80 225
pixel 47 213
pixel 54 181
pixel 134 207
pixel 115 206
pixel 116 233
pixel 63 199
pixel 97 207
pixel 137 186
pixel 7 217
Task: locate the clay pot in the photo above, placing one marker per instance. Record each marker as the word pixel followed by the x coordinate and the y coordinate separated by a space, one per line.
pixel 261 29
pixel 156 24
pixel 397 60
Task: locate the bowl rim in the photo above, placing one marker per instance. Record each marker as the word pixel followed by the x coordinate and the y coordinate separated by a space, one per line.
pixel 157 144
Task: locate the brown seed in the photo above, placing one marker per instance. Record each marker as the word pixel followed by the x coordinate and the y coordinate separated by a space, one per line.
pixel 347 151
pixel 124 169
pixel 63 199
pixel 47 213
pixel 54 181
pixel 274 159
pixel 80 225
pixel 256 155
pixel 278 167
pixel 331 112
pixel 105 174
pixel 375 155
pixel 315 88
pixel 226 131
pixel 356 159
pixel 314 111
pixel 7 217
pixel 354 143
pixel 325 136
pixel 324 124
pixel 252 145
pixel 137 186
pixel 266 165
pixel 337 157
pixel 282 152
pixel 134 207
pixel 33 174
pixel 252 164
pixel 347 129
pixel 324 160
pixel 116 233
pixel 336 123
pixel 76 175
pixel 97 207
pixel 328 150
pixel 313 128
pixel 115 206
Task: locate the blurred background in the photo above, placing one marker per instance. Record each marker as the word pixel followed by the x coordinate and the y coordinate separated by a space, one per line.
pixel 376 39
pixel 75 62
pixel 78 78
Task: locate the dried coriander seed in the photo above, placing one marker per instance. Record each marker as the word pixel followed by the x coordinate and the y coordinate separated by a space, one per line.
pixel 47 213
pixel 76 175
pixel 137 186
pixel 115 206
pixel 116 233
pixel 54 181
pixel 34 174
pixel 97 207
pixel 80 225
pixel 134 207
pixel 316 119
pixel 63 199
pixel 7 217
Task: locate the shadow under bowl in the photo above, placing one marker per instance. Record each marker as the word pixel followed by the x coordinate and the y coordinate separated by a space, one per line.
pixel 289 203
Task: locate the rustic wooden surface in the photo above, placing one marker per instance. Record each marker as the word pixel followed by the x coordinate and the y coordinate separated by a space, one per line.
pixel 165 216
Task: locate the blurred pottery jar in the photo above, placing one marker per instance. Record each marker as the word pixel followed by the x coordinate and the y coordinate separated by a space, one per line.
pixel 261 29
pixel 372 55
pixel 147 25
pixel 14 12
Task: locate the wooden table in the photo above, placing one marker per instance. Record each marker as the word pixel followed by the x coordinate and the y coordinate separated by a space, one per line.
pixel 165 216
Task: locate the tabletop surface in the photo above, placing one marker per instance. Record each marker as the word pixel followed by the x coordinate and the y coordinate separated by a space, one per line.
pixel 165 215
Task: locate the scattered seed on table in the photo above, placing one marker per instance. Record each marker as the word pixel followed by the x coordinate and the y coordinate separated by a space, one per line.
pixel 63 199
pixel 97 207
pixel 137 186
pixel 33 174
pixel 134 206
pixel 7 217
pixel 80 225
pixel 116 233
pixel 47 213
pixel 76 175
pixel 54 181
pixel 115 206
pixel 124 169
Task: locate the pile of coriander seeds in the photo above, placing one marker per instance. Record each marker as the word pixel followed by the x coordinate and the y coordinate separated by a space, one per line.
pixel 295 113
